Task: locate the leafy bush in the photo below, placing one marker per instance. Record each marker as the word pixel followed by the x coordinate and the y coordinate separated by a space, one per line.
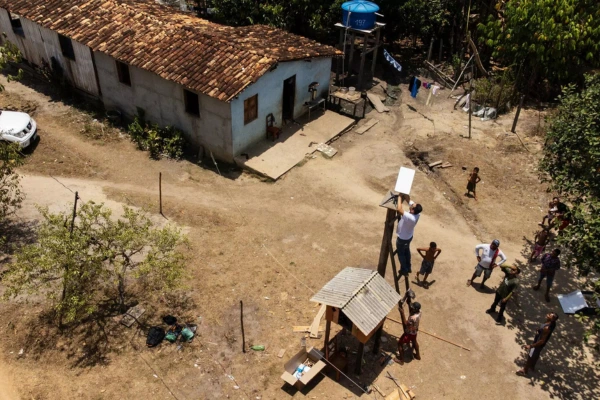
pixel 489 90
pixel 159 142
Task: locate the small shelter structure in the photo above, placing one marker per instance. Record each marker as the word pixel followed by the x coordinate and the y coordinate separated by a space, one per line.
pixel 359 300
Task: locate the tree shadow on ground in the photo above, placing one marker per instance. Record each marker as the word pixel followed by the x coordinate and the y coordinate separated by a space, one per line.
pixel 15 233
pixel 94 339
pixel 566 366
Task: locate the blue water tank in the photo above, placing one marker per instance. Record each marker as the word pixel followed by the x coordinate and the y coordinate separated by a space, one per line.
pixel 359 14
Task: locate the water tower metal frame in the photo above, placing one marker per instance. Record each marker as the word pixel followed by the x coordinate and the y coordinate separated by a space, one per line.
pixel 371 41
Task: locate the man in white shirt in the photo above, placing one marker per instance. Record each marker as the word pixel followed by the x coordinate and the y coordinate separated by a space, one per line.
pixel 404 231
pixel 486 260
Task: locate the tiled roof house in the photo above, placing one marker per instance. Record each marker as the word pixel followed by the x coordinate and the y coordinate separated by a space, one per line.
pixel 214 82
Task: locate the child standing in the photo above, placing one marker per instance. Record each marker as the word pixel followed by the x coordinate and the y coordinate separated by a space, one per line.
pixel 429 255
pixel 474 179
pixel 541 240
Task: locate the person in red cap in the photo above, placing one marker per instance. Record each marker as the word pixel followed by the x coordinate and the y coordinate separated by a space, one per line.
pixel 486 260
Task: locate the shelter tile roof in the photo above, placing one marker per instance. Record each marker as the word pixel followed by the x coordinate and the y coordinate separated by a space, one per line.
pixel 362 294
pixel 217 60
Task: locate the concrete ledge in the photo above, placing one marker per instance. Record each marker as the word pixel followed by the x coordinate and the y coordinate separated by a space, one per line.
pixel 273 159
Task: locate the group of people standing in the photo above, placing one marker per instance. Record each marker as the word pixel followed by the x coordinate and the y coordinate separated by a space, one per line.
pixel 489 256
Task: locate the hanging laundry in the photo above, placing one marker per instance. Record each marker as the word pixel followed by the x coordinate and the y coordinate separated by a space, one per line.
pixel 391 60
pixel 415 89
pixel 411 83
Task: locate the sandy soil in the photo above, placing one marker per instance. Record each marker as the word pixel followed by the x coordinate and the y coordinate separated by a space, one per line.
pixel 273 244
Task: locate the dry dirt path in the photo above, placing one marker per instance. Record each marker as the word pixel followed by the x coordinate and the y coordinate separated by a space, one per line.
pixel 7 389
pixel 316 220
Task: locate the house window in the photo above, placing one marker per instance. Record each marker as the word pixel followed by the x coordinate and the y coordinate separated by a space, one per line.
pixel 66 46
pixel 15 22
pixel 192 103
pixel 250 109
pixel 123 72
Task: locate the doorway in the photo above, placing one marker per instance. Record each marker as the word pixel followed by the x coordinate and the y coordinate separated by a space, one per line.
pixel 289 95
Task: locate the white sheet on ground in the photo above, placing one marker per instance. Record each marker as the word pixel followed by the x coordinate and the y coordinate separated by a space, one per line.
pixel 572 302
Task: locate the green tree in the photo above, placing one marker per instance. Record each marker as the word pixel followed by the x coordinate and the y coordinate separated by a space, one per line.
pixel 555 40
pixel 571 165
pixel 305 17
pixel 416 18
pixel 101 255
pixel 11 195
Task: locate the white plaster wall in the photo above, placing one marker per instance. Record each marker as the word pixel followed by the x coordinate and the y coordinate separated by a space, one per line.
pixel 163 103
pixel 270 93
pixel 41 44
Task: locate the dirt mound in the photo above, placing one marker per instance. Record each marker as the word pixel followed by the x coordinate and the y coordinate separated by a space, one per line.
pixel 11 102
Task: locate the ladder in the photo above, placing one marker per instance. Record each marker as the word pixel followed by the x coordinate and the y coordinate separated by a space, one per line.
pixel 397 278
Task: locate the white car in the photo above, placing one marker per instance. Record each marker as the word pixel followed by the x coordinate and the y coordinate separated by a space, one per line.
pixel 17 127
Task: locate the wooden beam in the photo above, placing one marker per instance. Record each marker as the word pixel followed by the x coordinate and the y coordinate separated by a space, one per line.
pixel 359 357
pixel 432 335
pixel 476 54
pixel 314 327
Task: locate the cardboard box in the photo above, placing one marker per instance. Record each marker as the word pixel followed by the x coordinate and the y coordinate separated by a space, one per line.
pixel 291 366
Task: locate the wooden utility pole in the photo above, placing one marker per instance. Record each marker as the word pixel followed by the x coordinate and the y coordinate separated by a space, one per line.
pixel 470 110
pixel 160 193
pixel 514 125
pixel 74 214
pixel 71 229
pixel 242 323
pixel 388 231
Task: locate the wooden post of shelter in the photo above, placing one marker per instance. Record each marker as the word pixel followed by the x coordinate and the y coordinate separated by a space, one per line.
pixel 370 44
pixel 350 299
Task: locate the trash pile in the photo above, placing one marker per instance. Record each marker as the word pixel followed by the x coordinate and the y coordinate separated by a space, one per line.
pixel 175 331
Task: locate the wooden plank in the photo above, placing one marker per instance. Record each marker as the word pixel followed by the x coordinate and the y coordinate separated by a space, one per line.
pixel 366 126
pixel 376 101
pixel 302 328
pixel 446 165
pixel 395 395
pixel 314 327
pixel 406 391
pixel 433 164
pixel 305 328
pixel 374 386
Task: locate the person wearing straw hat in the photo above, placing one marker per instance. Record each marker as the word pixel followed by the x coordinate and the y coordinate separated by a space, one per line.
pixel 505 291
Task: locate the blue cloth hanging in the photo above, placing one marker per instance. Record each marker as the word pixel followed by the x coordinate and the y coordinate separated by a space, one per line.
pixel 414 91
pixel 391 60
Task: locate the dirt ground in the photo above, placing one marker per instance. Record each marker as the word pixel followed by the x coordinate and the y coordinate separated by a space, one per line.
pixel 271 245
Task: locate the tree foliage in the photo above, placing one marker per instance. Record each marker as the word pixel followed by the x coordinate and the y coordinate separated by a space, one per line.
pixel 314 18
pixel 11 195
pixel 571 164
pixel 555 40
pixel 9 53
pixel 416 18
pixel 102 254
